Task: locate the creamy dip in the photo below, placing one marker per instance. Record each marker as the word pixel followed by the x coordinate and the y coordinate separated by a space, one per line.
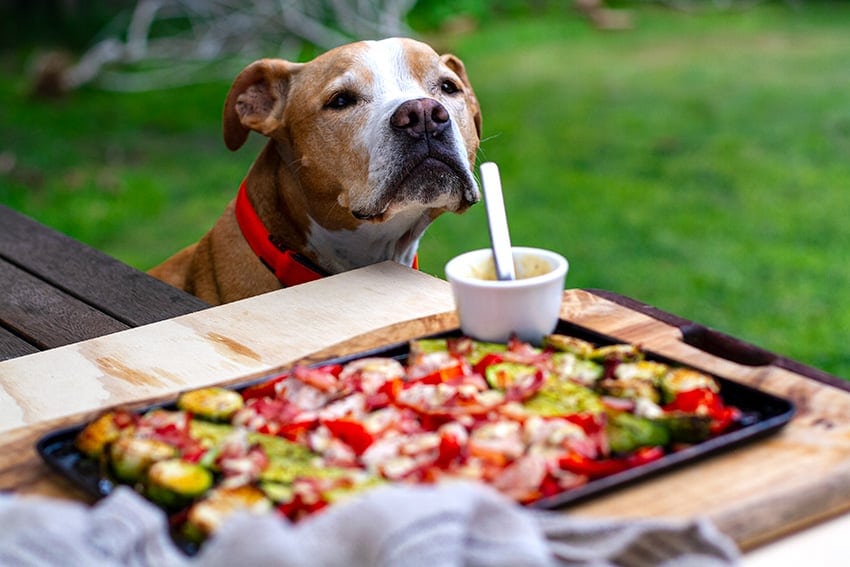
pixel 527 266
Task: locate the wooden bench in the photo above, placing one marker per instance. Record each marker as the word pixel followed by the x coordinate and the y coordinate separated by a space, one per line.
pixel 56 291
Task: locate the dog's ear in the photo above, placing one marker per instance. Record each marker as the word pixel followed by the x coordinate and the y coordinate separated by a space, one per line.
pixel 455 64
pixel 256 100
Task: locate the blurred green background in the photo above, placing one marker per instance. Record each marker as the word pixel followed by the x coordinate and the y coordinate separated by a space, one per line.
pixel 696 160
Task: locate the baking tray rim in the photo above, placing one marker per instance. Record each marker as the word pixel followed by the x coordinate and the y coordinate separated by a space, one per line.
pixel 55 446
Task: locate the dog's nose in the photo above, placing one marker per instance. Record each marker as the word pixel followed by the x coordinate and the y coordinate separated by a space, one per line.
pixel 421 116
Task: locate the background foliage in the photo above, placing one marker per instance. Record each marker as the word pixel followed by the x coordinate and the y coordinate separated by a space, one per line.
pixel 697 162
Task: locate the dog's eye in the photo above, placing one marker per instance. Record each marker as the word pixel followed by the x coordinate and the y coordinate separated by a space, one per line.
pixel 341 100
pixel 449 87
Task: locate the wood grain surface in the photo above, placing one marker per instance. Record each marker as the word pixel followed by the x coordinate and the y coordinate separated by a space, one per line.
pixel 756 493
pixel 46 316
pixel 234 341
pixel 58 291
pixel 89 275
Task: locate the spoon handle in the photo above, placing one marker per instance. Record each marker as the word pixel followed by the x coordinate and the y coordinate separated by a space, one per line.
pixel 500 237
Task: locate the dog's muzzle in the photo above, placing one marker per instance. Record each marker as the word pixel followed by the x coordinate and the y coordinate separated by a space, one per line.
pixel 429 165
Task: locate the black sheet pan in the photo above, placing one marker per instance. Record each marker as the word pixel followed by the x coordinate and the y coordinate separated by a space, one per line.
pixel 763 412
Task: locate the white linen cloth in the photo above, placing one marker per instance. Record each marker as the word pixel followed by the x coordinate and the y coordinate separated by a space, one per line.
pixel 458 524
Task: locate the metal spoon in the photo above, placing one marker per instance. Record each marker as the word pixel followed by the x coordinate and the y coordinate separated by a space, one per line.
pixel 500 238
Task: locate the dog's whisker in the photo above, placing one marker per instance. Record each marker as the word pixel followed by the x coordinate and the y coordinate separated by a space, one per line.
pixel 330 212
pixel 295 165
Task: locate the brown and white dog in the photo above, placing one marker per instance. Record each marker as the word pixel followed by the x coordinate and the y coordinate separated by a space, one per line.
pixel 368 143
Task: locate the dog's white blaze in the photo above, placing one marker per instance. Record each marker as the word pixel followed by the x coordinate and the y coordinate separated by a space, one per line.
pixel 393 80
pixel 393 84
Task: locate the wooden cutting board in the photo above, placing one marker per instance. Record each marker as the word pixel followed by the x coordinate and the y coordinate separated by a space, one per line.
pixel 755 493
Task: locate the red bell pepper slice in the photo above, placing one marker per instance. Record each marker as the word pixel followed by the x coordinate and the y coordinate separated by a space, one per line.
pixel 296 431
pixel 488 359
pixel 351 432
pixel 591 468
pixel 177 434
pixel 598 468
pixel 644 455
pixel 445 373
pixel 699 400
pixel 591 423
pixel 297 508
pixel 703 401
pixel 449 451
pixel 264 389
pixel 549 486
pixel 385 395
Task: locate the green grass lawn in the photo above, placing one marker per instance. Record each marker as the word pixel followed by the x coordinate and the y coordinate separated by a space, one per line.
pixel 699 164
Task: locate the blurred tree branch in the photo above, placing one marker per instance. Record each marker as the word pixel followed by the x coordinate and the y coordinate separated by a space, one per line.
pixel 213 39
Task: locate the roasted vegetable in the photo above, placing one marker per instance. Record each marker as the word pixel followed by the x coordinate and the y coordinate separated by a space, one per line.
pixel 472 350
pixel 565 343
pixel 705 402
pixel 214 404
pixel 206 515
pixel 678 380
pixel 503 375
pixel 648 370
pixel 562 397
pixel 426 346
pixel 598 468
pixel 279 448
pixel 569 366
pixel 627 432
pixel 278 492
pixel 207 433
pixel 636 389
pixel 686 427
pixel 94 438
pixel 174 483
pixel 635 380
pixel 131 457
pixel 617 353
pixel 328 484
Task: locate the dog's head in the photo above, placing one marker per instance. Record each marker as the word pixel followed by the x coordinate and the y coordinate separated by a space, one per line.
pixel 370 130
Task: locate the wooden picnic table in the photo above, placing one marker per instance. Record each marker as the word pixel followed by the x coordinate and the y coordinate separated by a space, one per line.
pixel 57 291
pixel 766 495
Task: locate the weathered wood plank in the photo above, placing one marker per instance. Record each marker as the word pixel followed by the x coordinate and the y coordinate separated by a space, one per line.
pixel 45 316
pixel 211 346
pixel 12 346
pixel 127 294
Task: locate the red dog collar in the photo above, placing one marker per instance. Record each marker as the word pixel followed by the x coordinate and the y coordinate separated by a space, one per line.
pixel 290 268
